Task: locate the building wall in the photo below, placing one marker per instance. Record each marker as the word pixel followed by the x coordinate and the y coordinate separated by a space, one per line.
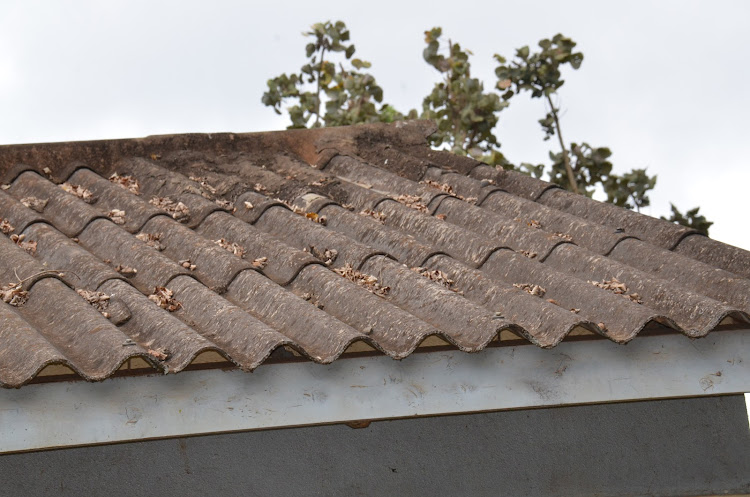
pixel 658 448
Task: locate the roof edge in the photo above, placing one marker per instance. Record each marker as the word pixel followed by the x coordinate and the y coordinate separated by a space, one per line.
pixel 314 146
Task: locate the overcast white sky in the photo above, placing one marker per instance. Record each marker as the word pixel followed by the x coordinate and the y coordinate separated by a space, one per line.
pixel 662 84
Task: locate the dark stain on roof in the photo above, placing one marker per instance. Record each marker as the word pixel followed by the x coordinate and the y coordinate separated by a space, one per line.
pixel 237 243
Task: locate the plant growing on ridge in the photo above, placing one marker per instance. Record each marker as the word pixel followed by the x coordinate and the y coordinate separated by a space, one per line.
pixel 327 93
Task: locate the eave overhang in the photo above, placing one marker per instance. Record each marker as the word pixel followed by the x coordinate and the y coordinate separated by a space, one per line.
pixel 78 413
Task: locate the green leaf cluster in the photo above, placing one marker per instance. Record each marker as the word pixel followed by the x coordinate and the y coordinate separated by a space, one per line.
pixel 465 114
pixel 537 72
pixel 333 89
pixel 579 168
pixel 691 219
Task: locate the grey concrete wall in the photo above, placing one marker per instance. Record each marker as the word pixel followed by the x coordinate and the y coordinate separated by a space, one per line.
pixel 664 448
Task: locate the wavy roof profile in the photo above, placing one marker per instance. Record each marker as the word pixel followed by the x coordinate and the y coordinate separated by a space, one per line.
pixel 166 247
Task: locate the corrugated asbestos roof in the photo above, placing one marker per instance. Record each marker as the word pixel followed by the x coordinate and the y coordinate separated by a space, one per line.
pixel 317 239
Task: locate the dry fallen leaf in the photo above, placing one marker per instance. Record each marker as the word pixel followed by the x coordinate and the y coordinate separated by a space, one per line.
pixel 234 248
pixel 187 264
pixel 437 276
pixel 28 246
pixel 161 354
pixel 225 204
pixel 531 289
pixel 534 224
pixel 14 294
pixel 126 181
pixel 117 216
pixel 366 280
pixel 80 192
pixel 163 298
pixel 126 271
pixel 313 299
pixel 5 227
pixel 328 256
pixel 151 239
pixel 99 300
pixel 618 288
pixel 205 185
pixel 312 216
pixel 247 205
pixel 443 187
pixel 260 262
pixel 442 217
pixel 529 254
pixel 564 236
pixel 34 203
pixel 376 215
pixel 412 201
pixel 177 210
pixel 471 200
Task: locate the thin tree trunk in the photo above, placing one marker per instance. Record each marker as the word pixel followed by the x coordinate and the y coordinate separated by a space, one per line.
pixel 566 157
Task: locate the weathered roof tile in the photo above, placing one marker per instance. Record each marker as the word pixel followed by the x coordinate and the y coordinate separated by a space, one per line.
pixel 316 239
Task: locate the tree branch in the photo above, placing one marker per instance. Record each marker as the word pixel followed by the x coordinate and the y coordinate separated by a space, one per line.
pixel 566 157
pixel 317 92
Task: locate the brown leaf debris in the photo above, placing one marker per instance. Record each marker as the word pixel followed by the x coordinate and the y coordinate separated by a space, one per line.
pixel 260 262
pixel 531 289
pixel 160 354
pixel 234 248
pixel 177 210
pixel 412 201
pixel 14 294
pixel 225 204
pixel 443 187
pixel 21 241
pixel 376 215
pixel 564 236
pixel 34 203
pixel 618 288
pixel 80 192
pixel 314 217
pixel 6 227
pixel 205 185
pixel 151 239
pixel 187 264
pixel 126 181
pixel 534 224
pixel 313 299
pixel 528 253
pixel 366 280
pixel 99 300
pixel 117 216
pixel 437 276
pixel 328 256
pixel 163 298
pixel 126 270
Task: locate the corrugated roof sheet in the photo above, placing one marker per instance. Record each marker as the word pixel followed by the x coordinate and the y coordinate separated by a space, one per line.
pixel 316 239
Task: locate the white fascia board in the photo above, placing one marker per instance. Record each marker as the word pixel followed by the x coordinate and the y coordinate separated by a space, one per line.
pixel 63 414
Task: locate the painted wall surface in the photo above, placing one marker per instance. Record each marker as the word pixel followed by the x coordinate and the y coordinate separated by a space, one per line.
pixel 660 448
